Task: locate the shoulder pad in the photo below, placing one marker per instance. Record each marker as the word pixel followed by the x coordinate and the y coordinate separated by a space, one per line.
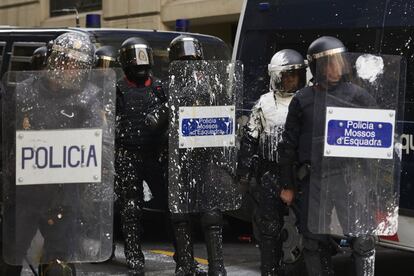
pixel 304 96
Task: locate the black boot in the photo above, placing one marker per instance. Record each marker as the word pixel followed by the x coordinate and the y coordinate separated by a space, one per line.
pixel 214 242
pixel 269 257
pixel 132 230
pixel 57 268
pixel 317 255
pixel 184 251
pixel 363 256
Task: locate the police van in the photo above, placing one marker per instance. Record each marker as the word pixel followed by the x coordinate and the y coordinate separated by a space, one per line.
pixel 365 26
pixel 17 44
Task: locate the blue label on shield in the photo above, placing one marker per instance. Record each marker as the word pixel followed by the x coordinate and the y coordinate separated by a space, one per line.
pixel 207 126
pixel 359 134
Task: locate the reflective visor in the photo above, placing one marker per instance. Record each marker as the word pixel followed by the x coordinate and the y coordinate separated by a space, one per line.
pixel 187 48
pixel 105 62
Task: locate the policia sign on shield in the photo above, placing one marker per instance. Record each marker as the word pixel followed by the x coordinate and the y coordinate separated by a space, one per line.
pixel 356 149
pixel 204 97
pixel 58 178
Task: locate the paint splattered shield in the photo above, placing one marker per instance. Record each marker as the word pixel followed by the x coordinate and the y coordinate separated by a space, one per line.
pixel 356 154
pixel 58 142
pixel 205 98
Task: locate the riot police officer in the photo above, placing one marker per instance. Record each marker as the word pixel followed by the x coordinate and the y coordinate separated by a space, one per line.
pixel 106 57
pixel 52 101
pixel 185 48
pixel 287 71
pixel 330 70
pixel 139 131
pixel 38 60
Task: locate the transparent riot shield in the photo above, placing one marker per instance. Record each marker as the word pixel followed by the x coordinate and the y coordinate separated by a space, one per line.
pixel 205 98
pixel 356 148
pixel 58 143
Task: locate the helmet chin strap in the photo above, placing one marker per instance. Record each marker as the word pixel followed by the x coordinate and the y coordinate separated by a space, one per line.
pixel 284 94
pixel 139 77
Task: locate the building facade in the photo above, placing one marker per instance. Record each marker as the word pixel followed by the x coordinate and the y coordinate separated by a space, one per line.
pixel 214 17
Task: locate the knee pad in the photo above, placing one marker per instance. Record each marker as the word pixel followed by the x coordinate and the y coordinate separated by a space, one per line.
pixel 363 245
pixel 212 218
pixel 268 225
pixel 269 181
pixel 177 218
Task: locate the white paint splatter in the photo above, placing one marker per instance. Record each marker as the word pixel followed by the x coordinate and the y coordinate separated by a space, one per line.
pixel 147 192
pixel 369 67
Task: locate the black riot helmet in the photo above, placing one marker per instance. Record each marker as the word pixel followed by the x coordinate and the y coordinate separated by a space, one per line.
pixel 135 56
pixel 185 47
pixel 287 71
pixel 70 55
pixel 106 57
pixel 38 60
pixel 328 52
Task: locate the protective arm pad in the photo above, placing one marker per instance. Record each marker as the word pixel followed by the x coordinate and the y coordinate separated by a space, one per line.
pixel 288 147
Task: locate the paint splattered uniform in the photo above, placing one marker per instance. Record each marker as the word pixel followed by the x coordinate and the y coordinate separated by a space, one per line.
pixel 262 136
pixel 140 111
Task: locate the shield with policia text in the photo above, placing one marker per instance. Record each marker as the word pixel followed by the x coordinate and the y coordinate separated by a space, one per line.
pixel 58 142
pixel 356 148
pixel 205 98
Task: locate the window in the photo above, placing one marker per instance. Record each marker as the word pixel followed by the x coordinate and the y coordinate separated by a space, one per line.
pixel 21 56
pixel 57 6
pixel 2 48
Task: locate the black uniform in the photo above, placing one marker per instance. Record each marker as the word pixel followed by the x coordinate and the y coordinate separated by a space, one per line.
pixel 137 157
pixel 296 151
pixel 258 150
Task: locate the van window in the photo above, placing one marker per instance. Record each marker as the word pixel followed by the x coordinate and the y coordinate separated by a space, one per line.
pixel 214 49
pixel 2 49
pixel 56 7
pixel 21 55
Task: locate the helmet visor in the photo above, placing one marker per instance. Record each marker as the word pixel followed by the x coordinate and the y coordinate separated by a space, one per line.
pixel 105 62
pixel 332 69
pixel 288 82
pixel 136 55
pixel 186 50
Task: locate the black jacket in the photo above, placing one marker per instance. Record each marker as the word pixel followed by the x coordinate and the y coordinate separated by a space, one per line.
pixel 307 107
pixel 133 106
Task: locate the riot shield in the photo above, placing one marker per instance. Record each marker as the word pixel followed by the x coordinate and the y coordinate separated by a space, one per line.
pixel 205 98
pixel 356 148
pixel 58 143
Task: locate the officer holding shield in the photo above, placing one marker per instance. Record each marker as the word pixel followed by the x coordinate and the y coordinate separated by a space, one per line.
pixel 287 71
pixel 186 49
pixel 61 97
pixel 330 70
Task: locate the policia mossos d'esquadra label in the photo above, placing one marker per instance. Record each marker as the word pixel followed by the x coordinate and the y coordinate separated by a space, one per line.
pixel 359 132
